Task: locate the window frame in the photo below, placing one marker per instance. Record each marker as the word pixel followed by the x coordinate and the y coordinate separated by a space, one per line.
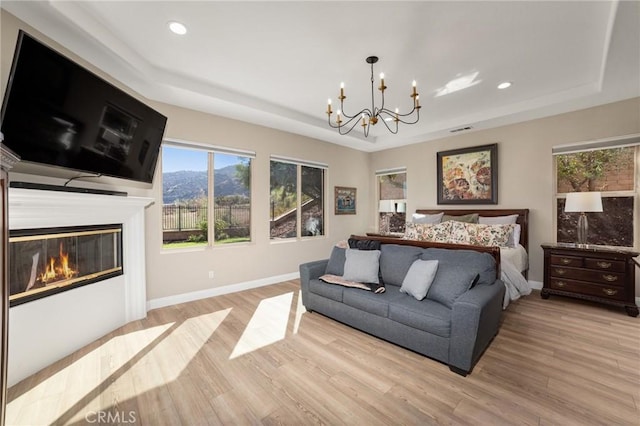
pixel 399 203
pixel 626 141
pixel 211 150
pixel 299 163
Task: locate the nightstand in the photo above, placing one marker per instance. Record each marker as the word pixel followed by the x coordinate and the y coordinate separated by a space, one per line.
pixel 597 273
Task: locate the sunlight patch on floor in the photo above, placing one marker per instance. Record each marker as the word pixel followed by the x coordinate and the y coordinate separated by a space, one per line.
pixel 74 382
pixel 267 325
pixel 300 309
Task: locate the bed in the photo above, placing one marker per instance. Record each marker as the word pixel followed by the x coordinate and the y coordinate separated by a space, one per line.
pixel 514 261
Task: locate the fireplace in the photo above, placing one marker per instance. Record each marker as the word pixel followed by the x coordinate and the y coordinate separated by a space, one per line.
pixel 47 261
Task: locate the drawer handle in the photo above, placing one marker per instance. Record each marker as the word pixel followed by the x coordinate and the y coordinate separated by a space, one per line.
pixel 609 291
pixel 565 261
pixel 561 271
pixel 561 283
pixel 604 265
pixel 610 278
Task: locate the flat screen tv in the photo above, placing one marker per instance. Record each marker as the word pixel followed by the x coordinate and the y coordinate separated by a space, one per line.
pixel 57 113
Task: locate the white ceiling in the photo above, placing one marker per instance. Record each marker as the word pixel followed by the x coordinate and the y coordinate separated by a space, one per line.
pixel 276 63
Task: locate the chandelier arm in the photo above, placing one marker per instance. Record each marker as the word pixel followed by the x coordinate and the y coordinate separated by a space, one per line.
pixel 355 122
pixel 389 128
pixel 397 116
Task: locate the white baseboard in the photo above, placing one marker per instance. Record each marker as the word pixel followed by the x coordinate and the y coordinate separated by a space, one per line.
pixel 536 285
pixel 218 291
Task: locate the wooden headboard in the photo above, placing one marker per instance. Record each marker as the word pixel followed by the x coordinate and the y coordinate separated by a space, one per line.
pixel 523 218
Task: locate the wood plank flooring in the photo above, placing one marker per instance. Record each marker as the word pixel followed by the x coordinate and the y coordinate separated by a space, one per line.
pixel 252 358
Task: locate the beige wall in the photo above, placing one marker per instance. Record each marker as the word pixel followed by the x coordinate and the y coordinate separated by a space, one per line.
pixel 525 164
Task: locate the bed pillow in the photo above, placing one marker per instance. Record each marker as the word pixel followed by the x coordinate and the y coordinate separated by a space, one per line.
pixel 427 218
pixel 468 218
pixel 419 278
pixel 437 232
pixel 362 266
pixel 498 220
pixel 514 240
pixel 481 235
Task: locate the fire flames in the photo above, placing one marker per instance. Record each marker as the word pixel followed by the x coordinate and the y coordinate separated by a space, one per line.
pixel 58 269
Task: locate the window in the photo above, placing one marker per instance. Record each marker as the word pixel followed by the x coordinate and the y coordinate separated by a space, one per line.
pixel 296 209
pixel 204 185
pixel 392 200
pixel 610 170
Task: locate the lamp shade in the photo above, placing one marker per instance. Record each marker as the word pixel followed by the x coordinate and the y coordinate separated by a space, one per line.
pixel 583 202
pixel 401 207
pixel 386 206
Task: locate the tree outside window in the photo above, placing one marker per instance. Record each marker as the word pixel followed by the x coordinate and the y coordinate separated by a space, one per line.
pixel 610 171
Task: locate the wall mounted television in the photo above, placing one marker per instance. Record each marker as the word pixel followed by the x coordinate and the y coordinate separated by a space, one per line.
pixel 57 113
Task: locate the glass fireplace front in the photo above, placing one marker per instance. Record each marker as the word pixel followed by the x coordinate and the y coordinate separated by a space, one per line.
pixel 46 261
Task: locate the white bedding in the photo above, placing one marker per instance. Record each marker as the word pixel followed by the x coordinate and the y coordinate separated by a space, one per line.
pixel 514 260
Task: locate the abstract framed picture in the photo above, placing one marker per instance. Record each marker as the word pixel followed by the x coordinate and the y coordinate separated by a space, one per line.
pixel 345 200
pixel 468 175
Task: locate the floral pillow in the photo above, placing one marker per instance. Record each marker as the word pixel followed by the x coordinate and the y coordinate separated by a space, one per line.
pixel 435 232
pixel 481 234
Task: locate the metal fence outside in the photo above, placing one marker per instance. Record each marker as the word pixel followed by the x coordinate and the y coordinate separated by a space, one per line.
pixel 189 217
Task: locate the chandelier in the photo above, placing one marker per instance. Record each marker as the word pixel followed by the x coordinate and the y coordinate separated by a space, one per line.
pixel 345 122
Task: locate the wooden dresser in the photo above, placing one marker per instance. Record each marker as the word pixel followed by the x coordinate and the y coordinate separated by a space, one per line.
pixel 596 273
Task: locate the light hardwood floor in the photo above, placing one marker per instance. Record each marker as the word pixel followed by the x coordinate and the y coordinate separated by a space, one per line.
pixel 254 358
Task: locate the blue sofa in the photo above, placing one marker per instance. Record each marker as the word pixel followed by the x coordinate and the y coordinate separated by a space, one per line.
pixel 454 323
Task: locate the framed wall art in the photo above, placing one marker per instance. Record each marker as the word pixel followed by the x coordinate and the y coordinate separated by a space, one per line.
pixel 345 200
pixel 468 175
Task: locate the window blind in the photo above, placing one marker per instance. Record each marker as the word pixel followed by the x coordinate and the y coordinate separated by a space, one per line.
pixel 291 160
pixel 391 171
pixel 199 146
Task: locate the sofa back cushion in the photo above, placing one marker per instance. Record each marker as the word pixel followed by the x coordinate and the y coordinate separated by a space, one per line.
pixel 395 261
pixel 457 271
pixel 335 266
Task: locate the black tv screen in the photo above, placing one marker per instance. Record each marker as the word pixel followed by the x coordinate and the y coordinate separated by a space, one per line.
pixel 57 113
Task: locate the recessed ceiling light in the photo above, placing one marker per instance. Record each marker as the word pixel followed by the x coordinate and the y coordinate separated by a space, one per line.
pixel 504 85
pixel 177 28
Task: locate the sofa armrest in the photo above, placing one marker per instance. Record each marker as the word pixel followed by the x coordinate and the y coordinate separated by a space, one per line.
pixel 475 320
pixel 310 271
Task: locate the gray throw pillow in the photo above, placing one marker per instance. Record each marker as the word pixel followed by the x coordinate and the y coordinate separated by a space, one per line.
pixel 335 266
pixel 451 282
pixel 419 278
pixel 362 266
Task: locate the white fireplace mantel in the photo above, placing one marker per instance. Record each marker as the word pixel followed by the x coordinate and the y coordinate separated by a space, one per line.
pixel 124 296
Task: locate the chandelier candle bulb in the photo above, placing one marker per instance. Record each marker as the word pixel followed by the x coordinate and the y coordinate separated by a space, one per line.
pixel 382 86
pixel 342 91
pixel 415 93
pixel 329 107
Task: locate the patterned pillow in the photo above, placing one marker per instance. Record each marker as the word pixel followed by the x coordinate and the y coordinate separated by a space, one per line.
pixel 435 232
pixel 481 234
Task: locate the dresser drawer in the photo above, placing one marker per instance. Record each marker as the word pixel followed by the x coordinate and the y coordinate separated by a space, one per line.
pixel 600 277
pixel 605 264
pixel 579 287
pixel 562 260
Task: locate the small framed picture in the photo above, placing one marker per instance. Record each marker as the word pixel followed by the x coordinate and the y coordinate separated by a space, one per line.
pixel 468 175
pixel 345 200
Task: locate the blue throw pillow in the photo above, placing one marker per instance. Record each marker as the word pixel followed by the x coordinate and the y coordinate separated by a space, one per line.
pixel 451 282
pixel 336 262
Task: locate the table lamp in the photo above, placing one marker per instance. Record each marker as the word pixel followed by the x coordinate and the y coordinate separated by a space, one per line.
pixel 583 202
pixel 386 206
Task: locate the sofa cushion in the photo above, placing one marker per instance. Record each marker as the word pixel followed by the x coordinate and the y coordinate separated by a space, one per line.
pixel 481 263
pixel 395 261
pixel 330 291
pixel 425 315
pixel 419 278
pixel 335 266
pixel 367 301
pixel 451 282
pixel 361 265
